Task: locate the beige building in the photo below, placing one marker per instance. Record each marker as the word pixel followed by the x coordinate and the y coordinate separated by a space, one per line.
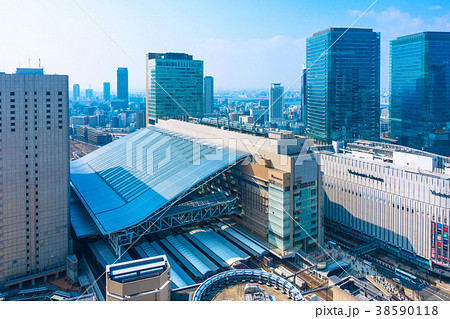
pixel 34 175
pixel 145 279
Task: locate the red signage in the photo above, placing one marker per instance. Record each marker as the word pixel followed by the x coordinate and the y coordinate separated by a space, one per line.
pixel 433 239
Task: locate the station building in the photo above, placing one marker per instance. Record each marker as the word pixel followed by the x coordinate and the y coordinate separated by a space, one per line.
pixel 194 194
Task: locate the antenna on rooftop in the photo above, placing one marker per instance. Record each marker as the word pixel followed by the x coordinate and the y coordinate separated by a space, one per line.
pixel 29 63
pixel 39 63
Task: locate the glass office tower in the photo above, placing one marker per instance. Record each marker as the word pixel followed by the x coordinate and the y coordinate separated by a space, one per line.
pixel 343 84
pixel 420 91
pixel 174 86
pixel 122 85
pixel 276 102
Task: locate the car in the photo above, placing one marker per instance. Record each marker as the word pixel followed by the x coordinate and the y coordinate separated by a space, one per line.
pixel 396 280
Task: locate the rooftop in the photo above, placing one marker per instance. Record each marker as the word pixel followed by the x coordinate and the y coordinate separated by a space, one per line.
pixel 132 178
pixel 169 56
pixel 343 29
pixel 29 71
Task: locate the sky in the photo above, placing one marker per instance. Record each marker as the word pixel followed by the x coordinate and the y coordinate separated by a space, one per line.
pixel 244 44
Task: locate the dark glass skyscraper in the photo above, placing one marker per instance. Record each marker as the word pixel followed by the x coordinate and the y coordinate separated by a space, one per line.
pixel 420 91
pixel 122 84
pixel 343 84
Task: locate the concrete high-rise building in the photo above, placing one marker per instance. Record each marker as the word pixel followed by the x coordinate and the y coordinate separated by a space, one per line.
pixel 34 175
pixel 276 102
pixel 208 95
pixel 122 86
pixel 140 119
pixel 303 94
pixel 76 92
pixel 343 84
pixel 174 86
pixel 106 91
pixel 419 91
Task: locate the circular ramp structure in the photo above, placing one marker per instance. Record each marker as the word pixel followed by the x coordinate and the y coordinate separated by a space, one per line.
pixel 234 277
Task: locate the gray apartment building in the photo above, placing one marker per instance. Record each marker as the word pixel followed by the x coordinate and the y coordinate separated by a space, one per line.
pixel 34 175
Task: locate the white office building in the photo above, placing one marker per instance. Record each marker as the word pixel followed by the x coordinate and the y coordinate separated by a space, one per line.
pixel 396 196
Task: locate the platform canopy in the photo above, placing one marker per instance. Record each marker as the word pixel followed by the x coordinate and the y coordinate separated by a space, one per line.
pixel 127 181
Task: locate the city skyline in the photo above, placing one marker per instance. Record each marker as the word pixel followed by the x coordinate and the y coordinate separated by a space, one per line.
pixel 238 50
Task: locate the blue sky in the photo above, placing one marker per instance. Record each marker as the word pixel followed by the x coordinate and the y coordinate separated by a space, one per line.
pixel 244 44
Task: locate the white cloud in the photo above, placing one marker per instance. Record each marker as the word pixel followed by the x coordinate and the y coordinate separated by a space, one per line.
pixel 436 8
pixel 354 12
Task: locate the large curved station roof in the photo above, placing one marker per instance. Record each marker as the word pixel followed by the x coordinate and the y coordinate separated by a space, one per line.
pixel 126 181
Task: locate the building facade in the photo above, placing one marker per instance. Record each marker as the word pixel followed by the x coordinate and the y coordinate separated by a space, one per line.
pixel 174 86
pixel 395 196
pixel 106 91
pixel 419 91
pixel 276 102
pixel 208 95
pixel 34 174
pixel 303 94
pixel 343 84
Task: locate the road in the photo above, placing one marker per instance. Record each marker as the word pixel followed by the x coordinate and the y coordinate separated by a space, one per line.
pixel 432 293
pixel 426 291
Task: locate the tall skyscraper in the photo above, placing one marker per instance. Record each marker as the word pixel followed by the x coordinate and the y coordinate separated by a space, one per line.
pixel 420 91
pixel 76 92
pixel 89 94
pixel 303 94
pixel 106 91
pixel 34 174
pixel 276 102
pixel 122 86
pixel 208 95
pixel 174 86
pixel 343 84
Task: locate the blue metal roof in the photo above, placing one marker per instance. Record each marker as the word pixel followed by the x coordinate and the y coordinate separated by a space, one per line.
pixel 228 252
pixel 258 249
pixel 81 222
pixel 105 255
pixel 126 181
